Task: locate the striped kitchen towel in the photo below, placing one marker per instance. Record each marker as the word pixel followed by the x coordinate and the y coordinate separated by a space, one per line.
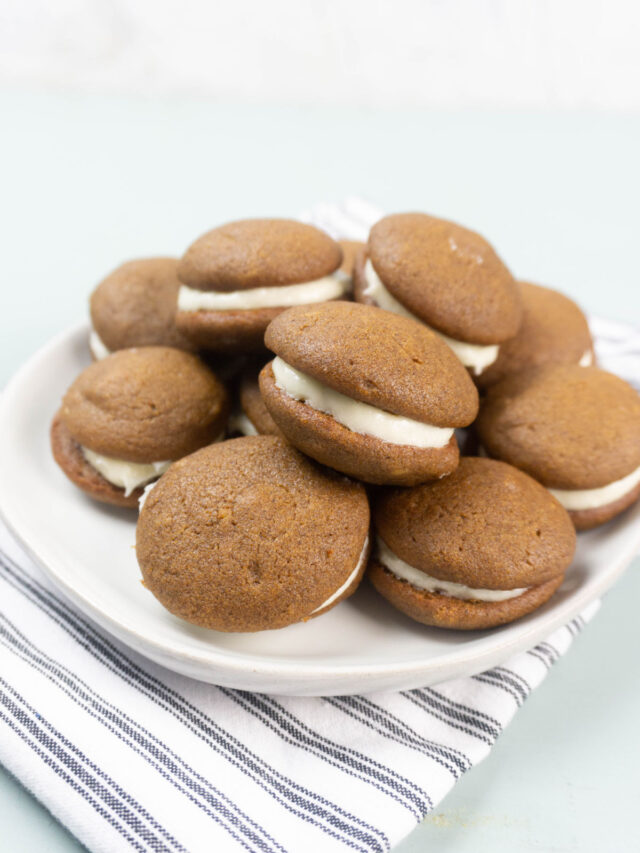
pixel 131 756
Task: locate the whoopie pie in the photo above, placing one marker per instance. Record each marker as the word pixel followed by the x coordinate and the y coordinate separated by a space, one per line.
pixel 249 535
pixel 479 548
pixel 575 429
pixel 367 392
pixel 238 277
pixel 127 417
pixel 445 276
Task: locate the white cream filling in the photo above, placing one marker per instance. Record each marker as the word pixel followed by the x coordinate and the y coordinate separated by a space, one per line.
pixel 126 475
pixel 577 499
pixel 320 290
pixel 587 359
pixel 345 586
pixel 239 422
pixel 356 416
pixel 98 348
pixel 423 581
pixel 145 494
pixel 474 356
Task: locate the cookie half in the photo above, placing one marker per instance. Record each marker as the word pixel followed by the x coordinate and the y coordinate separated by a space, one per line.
pixel 135 306
pixel 445 276
pixel 126 418
pixel 575 429
pixel 238 277
pixel 250 535
pixel 553 331
pixel 477 549
pixel 369 393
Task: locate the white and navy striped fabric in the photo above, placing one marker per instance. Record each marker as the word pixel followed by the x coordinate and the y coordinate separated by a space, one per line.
pixel 130 756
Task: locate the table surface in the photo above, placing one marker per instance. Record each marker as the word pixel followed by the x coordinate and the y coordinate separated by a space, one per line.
pixel 90 182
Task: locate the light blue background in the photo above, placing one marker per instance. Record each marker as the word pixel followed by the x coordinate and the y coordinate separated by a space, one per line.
pixel 89 182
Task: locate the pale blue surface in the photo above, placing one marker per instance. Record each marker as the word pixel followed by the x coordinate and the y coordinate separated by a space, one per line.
pixel 89 183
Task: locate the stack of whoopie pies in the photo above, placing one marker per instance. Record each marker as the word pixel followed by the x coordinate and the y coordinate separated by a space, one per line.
pixel 347 370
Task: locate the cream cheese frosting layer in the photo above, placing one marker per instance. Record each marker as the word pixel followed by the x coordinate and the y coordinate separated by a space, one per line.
pixel 425 582
pixel 98 348
pixel 320 290
pixel 356 416
pixel 578 499
pixel 345 586
pixel 474 356
pixel 145 494
pixel 125 475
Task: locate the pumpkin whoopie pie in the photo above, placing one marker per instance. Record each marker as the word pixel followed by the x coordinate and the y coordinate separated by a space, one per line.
pixel 575 429
pixel 251 416
pixel 249 535
pixel 238 277
pixel 127 417
pixel 553 331
pixel 479 548
pixel 445 276
pixel 135 306
pixel 369 393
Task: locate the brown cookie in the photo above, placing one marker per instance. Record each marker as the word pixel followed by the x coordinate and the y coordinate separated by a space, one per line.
pixel 396 367
pixel 227 331
pixel 575 429
pixel 445 275
pixel 479 548
pixel 250 535
pixel 223 304
pixel 553 331
pixel 145 406
pixel 377 358
pixel 135 306
pixel 254 253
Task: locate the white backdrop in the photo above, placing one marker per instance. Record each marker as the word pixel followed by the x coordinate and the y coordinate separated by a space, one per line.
pixel 526 53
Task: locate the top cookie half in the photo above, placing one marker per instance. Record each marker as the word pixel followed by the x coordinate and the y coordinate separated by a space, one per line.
pixel 254 253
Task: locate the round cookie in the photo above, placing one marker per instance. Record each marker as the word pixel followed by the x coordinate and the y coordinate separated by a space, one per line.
pixel 250 535
pixel 575 429
pixel 553 331
pixel 127 417
pixel 238 277
pixel 135 306
pixel 369 393
pixel 477 549
pixel 445 276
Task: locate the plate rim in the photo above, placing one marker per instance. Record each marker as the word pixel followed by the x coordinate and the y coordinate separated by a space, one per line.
pixel 465 659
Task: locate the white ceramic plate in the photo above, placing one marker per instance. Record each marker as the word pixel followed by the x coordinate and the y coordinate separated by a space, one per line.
pixel 361 646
